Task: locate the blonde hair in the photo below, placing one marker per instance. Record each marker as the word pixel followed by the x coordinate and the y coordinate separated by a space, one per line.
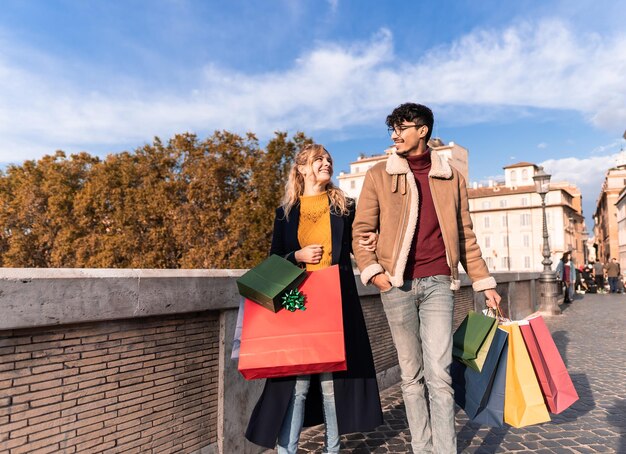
pixel 294 188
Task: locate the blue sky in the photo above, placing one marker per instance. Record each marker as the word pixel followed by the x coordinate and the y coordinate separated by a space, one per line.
pixel 539 81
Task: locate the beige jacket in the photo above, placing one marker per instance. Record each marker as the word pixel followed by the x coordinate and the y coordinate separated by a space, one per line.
pixel 389 204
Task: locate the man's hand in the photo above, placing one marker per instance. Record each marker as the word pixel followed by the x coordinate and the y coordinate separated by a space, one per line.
pixel 492 299
pixel 368 241
pixel 382 282
pixel 309 254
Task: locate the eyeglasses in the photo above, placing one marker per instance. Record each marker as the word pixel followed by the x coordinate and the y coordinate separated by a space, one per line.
pixel 401 128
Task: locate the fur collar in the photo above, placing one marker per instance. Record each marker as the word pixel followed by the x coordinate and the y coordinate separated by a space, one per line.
pixel 439 167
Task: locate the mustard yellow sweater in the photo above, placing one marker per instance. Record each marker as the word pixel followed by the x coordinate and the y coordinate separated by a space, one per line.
pixel 314 227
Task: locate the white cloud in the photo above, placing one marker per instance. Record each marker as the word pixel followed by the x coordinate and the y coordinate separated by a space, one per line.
pixel 334 4
pixel 542 145
pixel 586 173
pixel 531 65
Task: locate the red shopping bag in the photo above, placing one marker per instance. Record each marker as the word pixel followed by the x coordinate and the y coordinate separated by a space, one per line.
pixel 554 380
pixel 296 343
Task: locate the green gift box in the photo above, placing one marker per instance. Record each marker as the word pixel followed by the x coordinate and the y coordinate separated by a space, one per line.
pixel 267 282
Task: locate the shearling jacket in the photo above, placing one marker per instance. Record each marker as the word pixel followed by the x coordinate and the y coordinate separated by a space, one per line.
pixel 388 204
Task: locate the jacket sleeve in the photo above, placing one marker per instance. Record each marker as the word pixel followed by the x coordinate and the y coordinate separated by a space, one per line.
pixel 366 220
pixel 470 254
pixel 559 270
pixel 278 238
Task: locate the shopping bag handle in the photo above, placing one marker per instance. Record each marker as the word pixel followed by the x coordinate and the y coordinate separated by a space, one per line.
pixel 497 313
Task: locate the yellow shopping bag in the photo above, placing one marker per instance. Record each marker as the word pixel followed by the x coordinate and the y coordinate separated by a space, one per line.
pixel 523 402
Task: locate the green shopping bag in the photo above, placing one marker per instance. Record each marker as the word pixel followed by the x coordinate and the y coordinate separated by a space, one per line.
pixel 266 283
pixel 472 339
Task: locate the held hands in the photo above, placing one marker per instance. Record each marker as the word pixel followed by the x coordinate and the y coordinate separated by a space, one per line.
pixel 382 282
pixel 492 299
pixel 368 241
pixel 309 254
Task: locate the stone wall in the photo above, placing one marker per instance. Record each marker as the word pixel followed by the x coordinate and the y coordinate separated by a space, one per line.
pixel 135 385
pixel 139 360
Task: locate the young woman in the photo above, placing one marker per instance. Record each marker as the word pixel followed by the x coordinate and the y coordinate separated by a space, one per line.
pixel 566 273
pixel 313 228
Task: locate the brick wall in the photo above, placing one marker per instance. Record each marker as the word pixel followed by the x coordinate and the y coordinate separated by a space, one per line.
pixel 380 337
pixel 463 303
pixel 142 385
pixel 378 330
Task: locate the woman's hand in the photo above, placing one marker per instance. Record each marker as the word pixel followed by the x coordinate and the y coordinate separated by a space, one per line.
pixel 369 241
pixel 381 281
pixel 309 254
pixel 492 299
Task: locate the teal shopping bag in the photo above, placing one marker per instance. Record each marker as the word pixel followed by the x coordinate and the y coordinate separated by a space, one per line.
pixel 481 394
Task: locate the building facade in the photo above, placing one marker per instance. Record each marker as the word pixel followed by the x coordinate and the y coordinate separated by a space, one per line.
pixel 507 216
pixel 620 207
pixel 606 229
pixel 508 221
pixel 352 183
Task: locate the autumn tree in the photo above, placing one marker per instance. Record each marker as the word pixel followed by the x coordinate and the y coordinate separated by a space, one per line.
pixel 36 210
pixel 249 241
pixel 187 203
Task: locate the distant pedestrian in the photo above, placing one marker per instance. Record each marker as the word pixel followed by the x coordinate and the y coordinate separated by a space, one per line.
pixel 598 275
pixel 580 284
pixel 566 273
pixel 612 272
pixel 589 284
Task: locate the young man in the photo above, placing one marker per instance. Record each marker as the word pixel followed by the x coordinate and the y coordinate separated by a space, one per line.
pixel 419 206
pixel 598 274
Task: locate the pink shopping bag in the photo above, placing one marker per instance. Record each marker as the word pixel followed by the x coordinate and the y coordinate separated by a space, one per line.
pixel 554 380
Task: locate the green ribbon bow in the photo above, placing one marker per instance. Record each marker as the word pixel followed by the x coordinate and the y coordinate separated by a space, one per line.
pixel 293 300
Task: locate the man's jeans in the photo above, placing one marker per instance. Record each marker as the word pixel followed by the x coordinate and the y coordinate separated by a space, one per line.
pixel 420 315
pixel 294 418
pixel 613 284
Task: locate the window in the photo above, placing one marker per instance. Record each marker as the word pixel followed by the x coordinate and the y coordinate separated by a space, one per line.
pixel 489 262
pixel 525 201
pixel 486 222
pixel 527 262
pixel 487 242
pixel 504 262
pixel 526 241
pixel 513 176
pixel 505 241
pixel 525 174
pixel 503 203
pixel 525 219
pixel 505 221
pixel 352 184
pixel 356 170
pixel 486 205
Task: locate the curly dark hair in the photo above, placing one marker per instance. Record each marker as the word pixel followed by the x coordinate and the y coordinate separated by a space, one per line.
pixel 416 113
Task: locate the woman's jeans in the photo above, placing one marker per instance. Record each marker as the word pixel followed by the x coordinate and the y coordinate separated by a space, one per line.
pixel 292 424
pixel 420 315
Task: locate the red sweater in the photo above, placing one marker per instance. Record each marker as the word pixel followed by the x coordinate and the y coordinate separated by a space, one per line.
pixel 427 256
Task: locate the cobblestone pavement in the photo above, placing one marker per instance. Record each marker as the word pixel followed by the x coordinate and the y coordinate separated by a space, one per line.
pixel 590 337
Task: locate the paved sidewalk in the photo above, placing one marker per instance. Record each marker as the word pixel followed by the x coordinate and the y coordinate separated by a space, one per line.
pixel 590 336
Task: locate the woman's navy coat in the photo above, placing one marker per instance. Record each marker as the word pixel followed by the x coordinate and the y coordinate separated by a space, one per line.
pixel 356 391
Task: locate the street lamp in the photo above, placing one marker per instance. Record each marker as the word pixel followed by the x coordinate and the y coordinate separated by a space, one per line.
pixel 547 279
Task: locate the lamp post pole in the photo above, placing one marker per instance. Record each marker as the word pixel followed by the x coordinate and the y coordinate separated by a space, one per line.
pixel 548 303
